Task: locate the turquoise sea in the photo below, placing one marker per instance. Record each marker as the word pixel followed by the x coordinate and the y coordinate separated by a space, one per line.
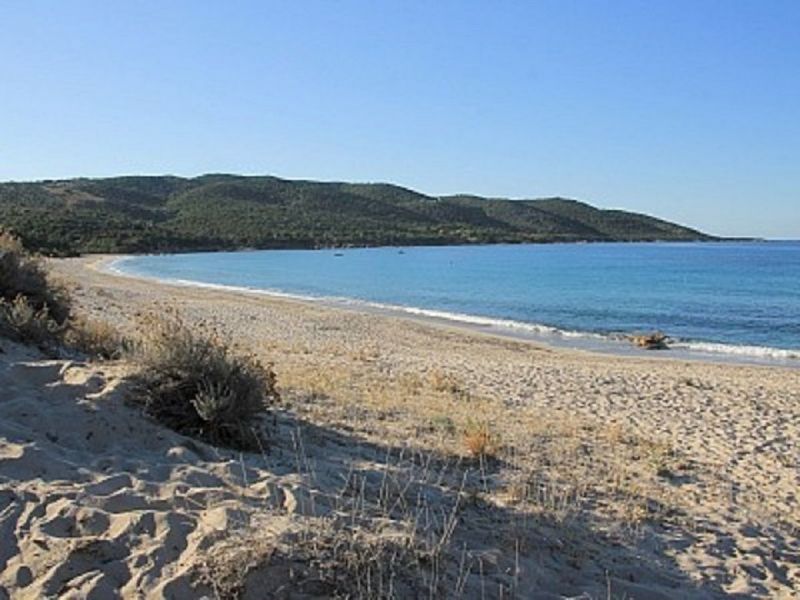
pixel 714 299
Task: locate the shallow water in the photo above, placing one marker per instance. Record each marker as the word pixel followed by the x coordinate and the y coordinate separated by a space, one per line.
pixel 737 299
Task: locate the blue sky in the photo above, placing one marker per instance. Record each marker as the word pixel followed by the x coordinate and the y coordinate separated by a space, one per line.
pixel 686 110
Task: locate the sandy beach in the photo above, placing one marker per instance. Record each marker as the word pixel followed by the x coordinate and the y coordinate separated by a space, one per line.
pixel 607 477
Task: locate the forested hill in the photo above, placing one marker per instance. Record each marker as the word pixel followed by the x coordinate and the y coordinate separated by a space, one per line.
pixel 215 212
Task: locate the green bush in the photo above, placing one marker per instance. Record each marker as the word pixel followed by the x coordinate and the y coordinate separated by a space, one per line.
pixel 194 384
pixel 32 308
pixel 22 274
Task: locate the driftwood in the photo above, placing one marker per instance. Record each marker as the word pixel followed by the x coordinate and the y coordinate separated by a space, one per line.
pixel 650 341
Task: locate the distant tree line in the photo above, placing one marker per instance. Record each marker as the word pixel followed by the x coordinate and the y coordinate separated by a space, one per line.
pixel 224 212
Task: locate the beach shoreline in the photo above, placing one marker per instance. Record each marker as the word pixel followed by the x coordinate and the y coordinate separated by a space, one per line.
pixel 541 335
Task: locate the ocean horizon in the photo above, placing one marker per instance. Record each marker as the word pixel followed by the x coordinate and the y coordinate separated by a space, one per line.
pixel 721 300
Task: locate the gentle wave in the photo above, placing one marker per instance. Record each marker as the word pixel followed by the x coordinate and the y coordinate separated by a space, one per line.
pixel 538 329
pixel 546 330
pixel 731 349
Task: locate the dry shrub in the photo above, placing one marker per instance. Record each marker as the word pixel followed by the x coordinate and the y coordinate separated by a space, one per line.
pixel 20 320
pixel 96 338
pixel 32 308
pixel 22 274
pixel 194 384
pixel 479 440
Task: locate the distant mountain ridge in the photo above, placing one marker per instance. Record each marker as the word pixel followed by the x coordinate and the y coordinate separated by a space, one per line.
pixel 224 212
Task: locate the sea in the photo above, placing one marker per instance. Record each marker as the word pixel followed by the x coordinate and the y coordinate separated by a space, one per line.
pixel 730 301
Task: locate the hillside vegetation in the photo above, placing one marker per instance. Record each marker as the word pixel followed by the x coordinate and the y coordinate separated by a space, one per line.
pixel 222 212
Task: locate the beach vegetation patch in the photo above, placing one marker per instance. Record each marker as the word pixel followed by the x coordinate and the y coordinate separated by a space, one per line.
pixel 23 274
pixel 20 320
pixel 33 308
pixel 96 338
pixel 193 383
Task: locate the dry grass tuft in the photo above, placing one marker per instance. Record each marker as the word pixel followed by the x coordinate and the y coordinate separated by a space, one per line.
pixel 389 536
pixel 225 570
pixel 442 382
pixel 322 559
pixel 96 338
pixel 359 563
pixel 194 384
pixel 479 440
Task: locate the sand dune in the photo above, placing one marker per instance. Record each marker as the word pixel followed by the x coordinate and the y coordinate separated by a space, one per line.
pixel 96 501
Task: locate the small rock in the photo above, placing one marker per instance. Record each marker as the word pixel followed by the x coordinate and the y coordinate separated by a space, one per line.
pixel 651 341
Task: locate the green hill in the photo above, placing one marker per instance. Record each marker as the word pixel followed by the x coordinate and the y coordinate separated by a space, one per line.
pixel 216 212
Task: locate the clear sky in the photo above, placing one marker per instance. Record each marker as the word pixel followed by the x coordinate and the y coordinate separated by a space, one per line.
pixel 686 110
